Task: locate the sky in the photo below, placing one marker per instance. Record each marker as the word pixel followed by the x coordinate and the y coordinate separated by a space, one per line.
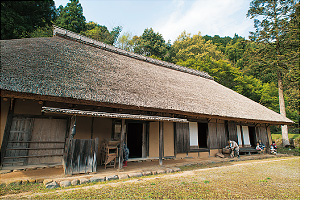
pixel 170 17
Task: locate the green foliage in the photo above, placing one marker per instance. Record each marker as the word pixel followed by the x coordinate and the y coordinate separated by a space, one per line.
pixel 250 68
pixel 275 55
pixel 151 44
pixel 194 52
pixel 71 17
pixel 101 33
pixel 15 188
pixel 20 18
pixel 125 42
pixel 46 31
pixel 195 47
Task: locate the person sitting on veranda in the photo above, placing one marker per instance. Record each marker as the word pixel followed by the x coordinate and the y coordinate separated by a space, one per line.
pixel 261 145
pixel 234 149
pixel 273 148
pixel 258 148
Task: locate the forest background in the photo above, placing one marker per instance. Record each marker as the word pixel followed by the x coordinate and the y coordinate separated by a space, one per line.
pixel 240 64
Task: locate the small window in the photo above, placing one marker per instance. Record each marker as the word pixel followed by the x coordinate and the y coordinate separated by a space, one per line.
pixel 116 134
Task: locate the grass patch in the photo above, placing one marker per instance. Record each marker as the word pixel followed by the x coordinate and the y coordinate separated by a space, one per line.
pixel 203 165
pixel 225 183
pixel 21 188
pixel 282 150
pixel 279 136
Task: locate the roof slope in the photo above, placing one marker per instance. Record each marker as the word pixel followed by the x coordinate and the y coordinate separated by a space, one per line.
pixel 61 67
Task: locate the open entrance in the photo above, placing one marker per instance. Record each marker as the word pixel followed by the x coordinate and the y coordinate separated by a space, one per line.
pixel 134 139
pixel 246 136
pixel 252 136
pixel 202 135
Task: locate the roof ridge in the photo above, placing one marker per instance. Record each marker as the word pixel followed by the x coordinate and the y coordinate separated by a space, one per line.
pixel 58 31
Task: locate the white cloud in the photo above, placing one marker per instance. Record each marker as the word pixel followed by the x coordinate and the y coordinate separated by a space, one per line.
pixel 214 17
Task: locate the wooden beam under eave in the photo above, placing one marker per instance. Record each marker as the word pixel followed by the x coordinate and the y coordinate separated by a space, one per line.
pixel 122 137
pixel 12 94
pixel 160 142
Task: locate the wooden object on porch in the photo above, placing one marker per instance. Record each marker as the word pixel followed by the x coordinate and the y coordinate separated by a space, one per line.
pixel 226 151
pixel 111 153
pixel 249 150
pixel 80 156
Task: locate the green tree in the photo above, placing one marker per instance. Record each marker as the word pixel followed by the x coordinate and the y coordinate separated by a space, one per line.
pixel 20 18
pixel 271 21
pixel 291 79
pixel 125 42
pixel 101 33
pixel 151 43
pixel 71 17
pixel 195 47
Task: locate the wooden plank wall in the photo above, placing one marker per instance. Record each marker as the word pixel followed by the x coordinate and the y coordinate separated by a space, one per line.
pixel 81 156
pixel 232 127
pixel 47 130
pixel 35 141
pixel 182 142
pixel 261 132
pixel 217 134
pixel 20 134
pixel 212 135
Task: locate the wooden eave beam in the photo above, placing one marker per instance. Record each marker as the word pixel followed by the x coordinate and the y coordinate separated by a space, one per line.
pixel 11 94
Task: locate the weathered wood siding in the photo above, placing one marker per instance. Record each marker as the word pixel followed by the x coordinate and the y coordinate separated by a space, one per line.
pixel 81 156
pixel 20 134
pixel 232 128
pixel 35 141
pixel 47 130
pixel 182 141
pixel 5 105
pixel 261 132
pixel 212 134
pixel 217 134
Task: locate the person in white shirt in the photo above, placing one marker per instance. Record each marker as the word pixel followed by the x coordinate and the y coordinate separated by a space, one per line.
pixel 234 148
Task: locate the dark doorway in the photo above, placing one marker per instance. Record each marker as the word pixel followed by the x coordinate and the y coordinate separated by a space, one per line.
pixel 202 135
pixel 252 136
pixel 134 139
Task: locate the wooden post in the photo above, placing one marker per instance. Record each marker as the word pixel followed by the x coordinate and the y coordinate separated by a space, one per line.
pixel 92 120
pixel 160 142
pixel 121 143
pixel 241 131
pixel 144 140
pixel 7 129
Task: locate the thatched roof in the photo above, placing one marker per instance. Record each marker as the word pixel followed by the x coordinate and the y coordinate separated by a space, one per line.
pixel 62 67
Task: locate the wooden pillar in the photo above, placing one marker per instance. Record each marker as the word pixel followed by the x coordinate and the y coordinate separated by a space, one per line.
pixel 92 120
pixel 242 138
pixel 144 140
pixel 7 129
pixel 160 142
pixel 122 135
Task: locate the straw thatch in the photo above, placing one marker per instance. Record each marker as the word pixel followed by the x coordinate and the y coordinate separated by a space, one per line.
pixel 62 67
pixel 111 115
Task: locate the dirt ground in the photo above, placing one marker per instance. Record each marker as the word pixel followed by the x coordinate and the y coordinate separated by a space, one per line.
pixel 276 178
pixel 57 173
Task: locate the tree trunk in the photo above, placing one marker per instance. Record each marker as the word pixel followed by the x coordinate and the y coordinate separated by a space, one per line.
pixel 284 128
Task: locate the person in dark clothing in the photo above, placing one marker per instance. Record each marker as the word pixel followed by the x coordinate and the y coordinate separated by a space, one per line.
pixel 125 155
